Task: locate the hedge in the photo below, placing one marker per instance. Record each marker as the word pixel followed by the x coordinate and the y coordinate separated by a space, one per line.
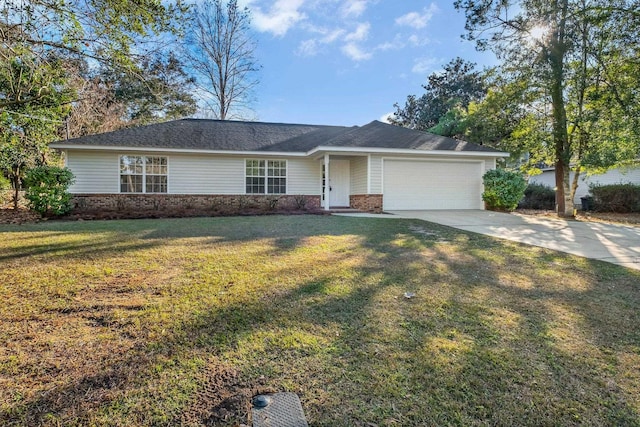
pixel 618 198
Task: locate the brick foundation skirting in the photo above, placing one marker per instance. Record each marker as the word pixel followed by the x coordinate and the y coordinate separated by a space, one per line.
pixel 176 204
pixel 366 202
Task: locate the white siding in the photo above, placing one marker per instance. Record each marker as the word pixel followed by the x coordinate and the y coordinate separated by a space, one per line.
pixel 304 176
pixel 489 164
pixel 98 172
pixel 614 176
pixel 95 172
pixel 359 175
pixel 547 178
pixel 201 174
pixel 375 175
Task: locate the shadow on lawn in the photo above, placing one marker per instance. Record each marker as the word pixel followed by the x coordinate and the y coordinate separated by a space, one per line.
pixel 102 237
pixel 475 346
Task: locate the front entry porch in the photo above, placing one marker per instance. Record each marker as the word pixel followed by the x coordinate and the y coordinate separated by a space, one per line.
pixel 345 184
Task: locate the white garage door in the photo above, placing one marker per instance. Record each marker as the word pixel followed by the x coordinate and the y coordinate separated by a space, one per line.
pixel 432 185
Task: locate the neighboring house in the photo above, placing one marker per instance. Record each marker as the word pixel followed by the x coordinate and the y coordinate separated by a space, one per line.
pixel 613 176
pixel 208 164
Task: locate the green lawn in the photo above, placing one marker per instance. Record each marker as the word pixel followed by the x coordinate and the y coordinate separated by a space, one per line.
pixel 181 321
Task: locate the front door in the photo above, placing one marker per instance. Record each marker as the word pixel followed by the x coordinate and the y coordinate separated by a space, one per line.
pixel 339 183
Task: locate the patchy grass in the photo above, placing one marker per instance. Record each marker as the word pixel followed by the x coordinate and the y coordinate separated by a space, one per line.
pixel 180 322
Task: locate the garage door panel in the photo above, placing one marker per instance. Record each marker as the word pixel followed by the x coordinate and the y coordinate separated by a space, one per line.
pixel 432 185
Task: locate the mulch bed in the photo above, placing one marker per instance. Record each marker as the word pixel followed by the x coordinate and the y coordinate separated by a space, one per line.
pixel 610 217
pixel 22 215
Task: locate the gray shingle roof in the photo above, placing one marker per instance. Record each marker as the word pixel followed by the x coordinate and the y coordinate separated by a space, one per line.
pixel 219 135
pixel 376 135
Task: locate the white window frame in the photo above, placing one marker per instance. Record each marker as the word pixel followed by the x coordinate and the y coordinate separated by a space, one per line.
pixel 267 176
pixel 143 174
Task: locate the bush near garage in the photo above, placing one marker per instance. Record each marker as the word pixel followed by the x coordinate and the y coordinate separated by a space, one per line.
pixel 618 198
pixel 538 196
pixel 503 189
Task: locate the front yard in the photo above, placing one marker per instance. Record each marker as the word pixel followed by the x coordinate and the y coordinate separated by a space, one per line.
pixel 181 321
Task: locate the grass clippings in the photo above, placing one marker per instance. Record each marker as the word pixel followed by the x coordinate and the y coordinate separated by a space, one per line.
pixel 181 321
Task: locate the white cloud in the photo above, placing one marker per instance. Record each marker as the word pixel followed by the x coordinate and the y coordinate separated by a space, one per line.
pixel 334 35
pixel 352 48
pixel 355 52
pixel 353 8
pixel 418 41
pixel 313 46
pixel 385 118
pixel 307 48
pixel 361 33
pixel 424 65
pixel 282 15
pixel 327 23
pixel 329 35
pixel 396 44
pixel 418 20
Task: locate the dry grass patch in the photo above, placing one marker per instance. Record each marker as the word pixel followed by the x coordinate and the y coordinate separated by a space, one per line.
pixel 180 322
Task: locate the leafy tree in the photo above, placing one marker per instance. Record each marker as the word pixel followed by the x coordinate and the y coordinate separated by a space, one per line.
pixel 220 50
pixel 38 40
pixel 446 98
pixel 106 31
pixel 27 128
pixel 578 57
pixel 95 109
pixel 47 190
pixel 511 118
pixel 503 189
pixel 161 90
pixel 108 100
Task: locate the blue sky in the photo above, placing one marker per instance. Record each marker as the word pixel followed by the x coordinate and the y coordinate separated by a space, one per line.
pixel 346 62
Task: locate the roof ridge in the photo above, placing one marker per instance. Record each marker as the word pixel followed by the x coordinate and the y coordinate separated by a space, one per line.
pixel 258 122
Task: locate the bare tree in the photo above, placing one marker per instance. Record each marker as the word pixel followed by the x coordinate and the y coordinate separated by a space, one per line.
pixel 220 51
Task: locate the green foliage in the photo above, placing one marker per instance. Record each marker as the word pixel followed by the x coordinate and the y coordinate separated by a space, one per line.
pixel 503 189
pixel 26 129
pixel 108 32
pixel 160 91
pixel 47 190
pixel 538 196
pixel 5 185
pixel 619 198
pixel 452 123
pixel 580 73
pixel 452 90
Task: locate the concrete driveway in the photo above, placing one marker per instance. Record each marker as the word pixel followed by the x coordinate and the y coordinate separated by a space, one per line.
pixel 617 244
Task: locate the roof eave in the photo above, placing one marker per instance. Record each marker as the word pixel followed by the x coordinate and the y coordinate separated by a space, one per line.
pixel 177 150
pixel 359 150
pixel 315 151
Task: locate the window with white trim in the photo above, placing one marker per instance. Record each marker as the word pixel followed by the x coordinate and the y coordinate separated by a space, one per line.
pixel 143 174
pixel 266 176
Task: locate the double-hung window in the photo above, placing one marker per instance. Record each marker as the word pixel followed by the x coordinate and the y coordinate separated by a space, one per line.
pixel 143 174
pixel 266 176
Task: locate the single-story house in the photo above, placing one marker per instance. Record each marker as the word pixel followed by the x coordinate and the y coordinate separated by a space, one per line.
pixel 629 174
pixel 208 164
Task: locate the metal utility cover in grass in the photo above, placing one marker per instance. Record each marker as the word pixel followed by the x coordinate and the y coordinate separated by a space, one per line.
pixel 278 410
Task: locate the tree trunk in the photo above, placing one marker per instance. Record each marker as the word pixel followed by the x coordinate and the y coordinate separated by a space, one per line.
pixel 15 180
pixel 556 54
pixel 574 182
